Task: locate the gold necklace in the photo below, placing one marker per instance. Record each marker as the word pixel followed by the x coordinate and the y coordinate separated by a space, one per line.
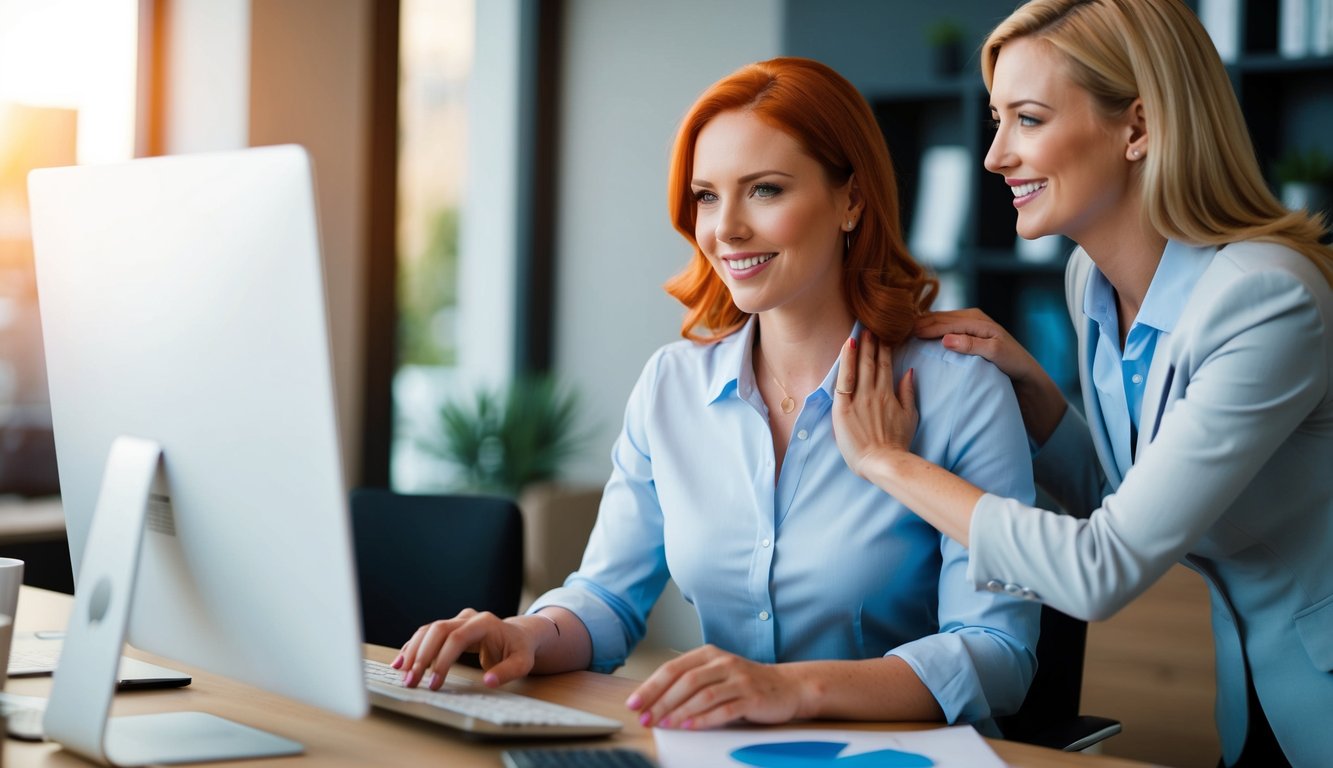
pixel 788 403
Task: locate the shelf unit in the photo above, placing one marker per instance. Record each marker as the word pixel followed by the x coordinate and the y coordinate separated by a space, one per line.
pixel 1287 103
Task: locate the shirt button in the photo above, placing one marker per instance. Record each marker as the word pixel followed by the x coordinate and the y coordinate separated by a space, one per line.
pixel 765 543
pixel 802 434
pixel 994 586
pixel 1013 589
pixel 1137 378
pixel 1028 594
pixel 763 615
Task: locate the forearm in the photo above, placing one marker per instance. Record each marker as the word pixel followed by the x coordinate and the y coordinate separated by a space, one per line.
pixel 1042 404
pixel 936 495
pixel 884 689
pixel 563 644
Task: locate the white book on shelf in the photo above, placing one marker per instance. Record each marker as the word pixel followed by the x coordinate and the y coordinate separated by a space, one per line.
pixel 941 205
pixel 1321 27
pixel 1294 28
pixel 1222 20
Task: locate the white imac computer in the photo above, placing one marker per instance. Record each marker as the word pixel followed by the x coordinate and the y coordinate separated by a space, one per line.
pixel 183 311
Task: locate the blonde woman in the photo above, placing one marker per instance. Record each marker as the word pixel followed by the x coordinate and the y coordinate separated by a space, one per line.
pixel 1203 313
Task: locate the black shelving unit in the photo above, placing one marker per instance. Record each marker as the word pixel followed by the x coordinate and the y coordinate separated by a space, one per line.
pixel 1287 103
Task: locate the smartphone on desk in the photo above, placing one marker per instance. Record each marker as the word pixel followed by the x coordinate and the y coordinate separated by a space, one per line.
pixel 37 653
pixel 616 757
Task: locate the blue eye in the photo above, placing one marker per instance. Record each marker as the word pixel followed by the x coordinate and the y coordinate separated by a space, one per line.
pixel 1028 121
pixel 704 196
pixel 765 190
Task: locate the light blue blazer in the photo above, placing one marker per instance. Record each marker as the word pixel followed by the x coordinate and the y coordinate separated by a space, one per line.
pixel 1233 475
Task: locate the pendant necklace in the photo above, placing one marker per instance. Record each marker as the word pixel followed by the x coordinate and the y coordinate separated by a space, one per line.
pixel 788 403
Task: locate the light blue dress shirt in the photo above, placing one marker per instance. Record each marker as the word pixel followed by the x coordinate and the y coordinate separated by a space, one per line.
pixel 815 563
pixel 1120 376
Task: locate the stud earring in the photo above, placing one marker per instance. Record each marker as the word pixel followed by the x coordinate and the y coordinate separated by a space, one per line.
pixel 1134 153
pixel 850 225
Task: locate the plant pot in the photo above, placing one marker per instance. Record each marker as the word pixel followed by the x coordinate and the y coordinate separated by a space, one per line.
pixel 947 59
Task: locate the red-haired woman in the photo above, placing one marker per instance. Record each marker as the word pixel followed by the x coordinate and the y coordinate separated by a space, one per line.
pixel 818 596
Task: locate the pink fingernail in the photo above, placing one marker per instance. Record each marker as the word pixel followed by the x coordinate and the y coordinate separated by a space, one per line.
pixel 397 662
pixel 853 343
pixel 431 680
pixel 688 724
pixel 491 679
pixel 634 702
pixel 410 678
pixel 645 718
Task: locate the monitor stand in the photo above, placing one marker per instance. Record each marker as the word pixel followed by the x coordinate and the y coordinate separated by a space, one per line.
pixel 77 714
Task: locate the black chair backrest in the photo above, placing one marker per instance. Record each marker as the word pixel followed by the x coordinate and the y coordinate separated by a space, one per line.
pixel 1055 692
pixel 426 557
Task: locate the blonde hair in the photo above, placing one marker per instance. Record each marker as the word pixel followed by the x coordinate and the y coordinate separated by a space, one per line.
pixel 1201 183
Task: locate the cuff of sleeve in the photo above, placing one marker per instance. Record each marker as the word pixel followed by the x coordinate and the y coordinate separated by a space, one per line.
pixel 938 661
pixel 609 648
pixel 989 518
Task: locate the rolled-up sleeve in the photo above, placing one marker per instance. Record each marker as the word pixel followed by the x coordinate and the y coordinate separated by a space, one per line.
pixel 624 566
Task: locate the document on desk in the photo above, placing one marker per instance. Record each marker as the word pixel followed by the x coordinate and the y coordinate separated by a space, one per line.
pixel 959 746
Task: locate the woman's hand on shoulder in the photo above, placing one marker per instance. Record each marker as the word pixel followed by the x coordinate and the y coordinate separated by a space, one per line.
pixel 872 414
pixel 508 648
pixel 708 687
pixel 973 332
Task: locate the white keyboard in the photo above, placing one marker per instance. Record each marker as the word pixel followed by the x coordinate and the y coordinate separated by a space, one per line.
pixel 470 706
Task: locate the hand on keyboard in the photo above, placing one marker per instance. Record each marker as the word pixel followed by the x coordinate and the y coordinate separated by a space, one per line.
pixel 464 704
pixel 508 648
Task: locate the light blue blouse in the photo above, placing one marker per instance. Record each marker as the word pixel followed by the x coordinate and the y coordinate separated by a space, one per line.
pixel 1121 375
pixel 815 563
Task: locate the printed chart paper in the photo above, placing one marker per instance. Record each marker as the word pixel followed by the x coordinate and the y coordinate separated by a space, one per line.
pixel 956 747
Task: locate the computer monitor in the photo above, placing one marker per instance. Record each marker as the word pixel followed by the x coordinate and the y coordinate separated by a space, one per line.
pixel 183 312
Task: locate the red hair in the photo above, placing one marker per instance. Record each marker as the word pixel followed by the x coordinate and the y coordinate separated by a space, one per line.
pixel 885 289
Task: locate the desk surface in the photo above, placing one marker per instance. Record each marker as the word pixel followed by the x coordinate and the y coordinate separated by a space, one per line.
pixel 384 738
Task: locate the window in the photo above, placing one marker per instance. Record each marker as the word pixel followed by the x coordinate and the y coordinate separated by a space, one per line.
pixel 435 64
pixel 67 96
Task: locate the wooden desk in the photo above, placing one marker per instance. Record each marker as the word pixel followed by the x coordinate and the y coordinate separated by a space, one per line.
pixel 384 738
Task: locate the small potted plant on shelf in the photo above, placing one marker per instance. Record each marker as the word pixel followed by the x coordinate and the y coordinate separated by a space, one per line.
pixel 946 45
pixel 1305 179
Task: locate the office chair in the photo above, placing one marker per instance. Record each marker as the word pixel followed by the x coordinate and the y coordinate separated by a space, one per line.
pixel 422 557
pixel 1050 715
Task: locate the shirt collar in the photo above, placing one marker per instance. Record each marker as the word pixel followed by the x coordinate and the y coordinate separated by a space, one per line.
pixel 1177 273
pixel 734 369
pixel 1171 285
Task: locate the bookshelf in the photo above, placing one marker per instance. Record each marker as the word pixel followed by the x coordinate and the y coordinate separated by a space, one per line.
pixel 882 49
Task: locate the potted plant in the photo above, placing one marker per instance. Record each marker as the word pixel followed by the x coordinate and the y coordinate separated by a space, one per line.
pixel 503 440
pixel 512 442
pixel 1305 179
pixel 946 45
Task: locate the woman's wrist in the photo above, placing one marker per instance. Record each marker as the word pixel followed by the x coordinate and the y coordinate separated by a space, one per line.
pixel 1042 405
pixel 810 687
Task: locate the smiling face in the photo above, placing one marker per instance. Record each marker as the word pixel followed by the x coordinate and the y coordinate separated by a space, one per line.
pixel 1068 165
pixel 767 216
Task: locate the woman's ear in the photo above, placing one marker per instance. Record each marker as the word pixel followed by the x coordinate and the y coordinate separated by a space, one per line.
pixel 1136 132
pixel 855 202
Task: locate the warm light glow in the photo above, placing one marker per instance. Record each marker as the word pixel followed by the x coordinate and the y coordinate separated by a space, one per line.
pixel 74 54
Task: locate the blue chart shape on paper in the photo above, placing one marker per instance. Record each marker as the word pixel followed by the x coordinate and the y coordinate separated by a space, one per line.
pixel 824 754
